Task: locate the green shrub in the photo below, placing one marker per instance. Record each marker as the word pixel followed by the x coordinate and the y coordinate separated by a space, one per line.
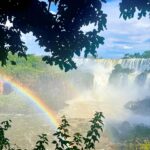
pixel 63 139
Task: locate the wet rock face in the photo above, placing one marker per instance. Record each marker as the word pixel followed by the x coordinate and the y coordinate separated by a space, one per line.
pixel 141 107
pixel 141 78
pixel 7 88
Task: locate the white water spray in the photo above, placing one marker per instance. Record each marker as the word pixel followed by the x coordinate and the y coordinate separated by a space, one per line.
pixel 108 98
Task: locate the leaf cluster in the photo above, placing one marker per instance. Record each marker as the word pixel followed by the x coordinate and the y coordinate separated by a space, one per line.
pixel 145 55
pixel 4 142
pixel 40 144
pixel 79 142
pixel 63 140
pixel 59 34
pixel 128 8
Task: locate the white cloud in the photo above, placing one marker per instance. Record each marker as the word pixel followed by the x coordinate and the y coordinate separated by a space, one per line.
pixel 144 23
pixel 127 47
pixel 33 47
pixel 8 24
pixel 87 28
pixel 124 35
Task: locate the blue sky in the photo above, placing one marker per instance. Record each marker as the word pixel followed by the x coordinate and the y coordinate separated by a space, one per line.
pixel 121 36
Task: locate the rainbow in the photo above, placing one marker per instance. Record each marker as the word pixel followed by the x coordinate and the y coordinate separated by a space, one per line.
pixel 34 98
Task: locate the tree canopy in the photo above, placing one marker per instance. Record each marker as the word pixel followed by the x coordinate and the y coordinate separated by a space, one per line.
pixel 128 8
pixel 60 34
pixel 145 54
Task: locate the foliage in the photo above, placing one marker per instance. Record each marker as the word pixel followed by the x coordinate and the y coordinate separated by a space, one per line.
pixel 136 55
pixel 40 144
pixel 60 34
pixel 145 54
pixel 63 136
pixel 93 134
pixel 63 139
pixel 136 145
pixel 79 142
pixel 145 145
pixel 4 142
pixel 128 8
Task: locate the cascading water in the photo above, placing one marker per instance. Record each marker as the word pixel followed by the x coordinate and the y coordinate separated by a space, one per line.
pixel 116 82
pixel 102 68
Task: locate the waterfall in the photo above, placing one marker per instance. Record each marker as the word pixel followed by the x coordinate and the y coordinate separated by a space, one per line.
pixel 136 64
pixel 102 69
pixel 116 82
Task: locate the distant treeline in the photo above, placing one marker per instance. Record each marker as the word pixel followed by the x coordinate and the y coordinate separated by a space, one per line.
pixel 145 54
